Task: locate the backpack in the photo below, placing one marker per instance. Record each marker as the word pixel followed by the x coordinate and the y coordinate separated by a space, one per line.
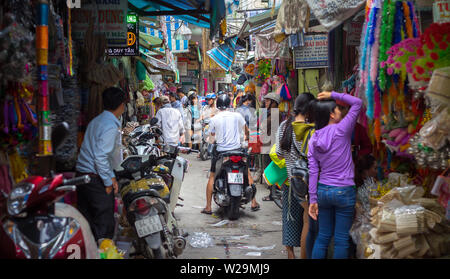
pixel 300 171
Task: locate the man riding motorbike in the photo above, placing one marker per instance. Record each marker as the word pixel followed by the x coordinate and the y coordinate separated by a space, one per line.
pixel 226 127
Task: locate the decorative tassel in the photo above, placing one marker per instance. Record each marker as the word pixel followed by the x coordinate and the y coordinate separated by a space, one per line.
pixel 377 130
pixel 408 22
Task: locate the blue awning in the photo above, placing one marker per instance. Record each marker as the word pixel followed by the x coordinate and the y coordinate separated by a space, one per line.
pixel 224 54
pixel 193 11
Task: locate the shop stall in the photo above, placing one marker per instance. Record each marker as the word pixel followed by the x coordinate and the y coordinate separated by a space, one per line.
pixel 402 78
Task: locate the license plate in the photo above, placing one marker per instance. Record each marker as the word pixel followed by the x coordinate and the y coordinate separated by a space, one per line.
pixel 148 226
pixel 235 178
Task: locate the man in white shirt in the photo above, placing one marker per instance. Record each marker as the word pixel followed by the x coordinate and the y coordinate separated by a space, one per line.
pixel 171 123
pixel 226 127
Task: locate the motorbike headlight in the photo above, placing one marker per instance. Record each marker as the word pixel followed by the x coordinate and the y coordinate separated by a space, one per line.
pixel 18 198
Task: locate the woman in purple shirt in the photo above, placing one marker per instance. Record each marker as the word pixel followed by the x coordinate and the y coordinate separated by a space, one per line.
pixel 331 173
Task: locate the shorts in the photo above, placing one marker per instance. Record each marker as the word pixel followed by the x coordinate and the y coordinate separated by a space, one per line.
pixel 214 159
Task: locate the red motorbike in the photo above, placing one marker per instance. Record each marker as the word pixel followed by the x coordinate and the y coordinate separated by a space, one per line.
pixel 29 227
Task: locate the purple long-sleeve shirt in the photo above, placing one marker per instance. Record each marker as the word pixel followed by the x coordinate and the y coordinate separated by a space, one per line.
pixel 330 153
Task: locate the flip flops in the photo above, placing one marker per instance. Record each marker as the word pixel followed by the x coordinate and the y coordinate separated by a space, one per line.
pixel 256 208
pixel 204 211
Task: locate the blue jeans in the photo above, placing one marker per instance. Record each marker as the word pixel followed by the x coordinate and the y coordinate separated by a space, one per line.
pixel 336 212
pixel 313 230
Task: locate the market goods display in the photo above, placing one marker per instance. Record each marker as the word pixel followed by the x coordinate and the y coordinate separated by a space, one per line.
pixel 401 223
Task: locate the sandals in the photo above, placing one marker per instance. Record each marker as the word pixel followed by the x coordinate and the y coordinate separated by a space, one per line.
pixel 256 208
pixel 204 211
pixel 267 198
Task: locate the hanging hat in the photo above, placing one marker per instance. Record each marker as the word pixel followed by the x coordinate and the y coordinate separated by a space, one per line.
pixel 273 96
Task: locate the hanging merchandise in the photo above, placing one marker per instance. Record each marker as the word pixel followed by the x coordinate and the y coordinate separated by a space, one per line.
pixel 264 70
pixel 42 38
pixel 420 56
pixel 17 49
pixel 332 13
pixel 293 17
pixel 395 218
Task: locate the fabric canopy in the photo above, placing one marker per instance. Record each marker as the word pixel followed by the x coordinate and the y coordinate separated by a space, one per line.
pixel 194 11
pixel 224 54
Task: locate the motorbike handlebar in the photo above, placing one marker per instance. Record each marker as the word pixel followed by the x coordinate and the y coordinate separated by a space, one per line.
pixel 188 150
pixel 180 148
pixel 77 180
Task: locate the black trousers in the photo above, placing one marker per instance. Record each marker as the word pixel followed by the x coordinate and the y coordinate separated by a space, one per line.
pixel 97 207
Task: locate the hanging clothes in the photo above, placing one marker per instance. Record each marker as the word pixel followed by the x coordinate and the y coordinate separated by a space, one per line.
pixel 292 18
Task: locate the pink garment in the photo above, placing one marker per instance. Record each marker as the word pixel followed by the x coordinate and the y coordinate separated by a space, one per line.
pixel 267 48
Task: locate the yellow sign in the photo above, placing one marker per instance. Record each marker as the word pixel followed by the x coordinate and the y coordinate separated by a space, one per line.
pixel 131 38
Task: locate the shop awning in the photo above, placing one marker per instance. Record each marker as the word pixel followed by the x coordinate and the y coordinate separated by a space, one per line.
pixel 154 63
pixel 258 23
pixel 203 13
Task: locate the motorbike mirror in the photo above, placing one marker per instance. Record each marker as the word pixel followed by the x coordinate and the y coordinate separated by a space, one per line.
pixel 153 121
pixel 59 134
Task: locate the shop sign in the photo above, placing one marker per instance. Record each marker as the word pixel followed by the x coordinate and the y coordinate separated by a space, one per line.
pixel 132 47
pixel 109 20
pixel 441 11
pixel 314 54
pixel 354 29
pixel 182 67
pixel 225 79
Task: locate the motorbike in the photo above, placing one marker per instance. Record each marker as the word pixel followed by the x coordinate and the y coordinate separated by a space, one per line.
pixel 149 187
pixel 231 186
pixel 205 147
pixel 30 226
pixel 142 138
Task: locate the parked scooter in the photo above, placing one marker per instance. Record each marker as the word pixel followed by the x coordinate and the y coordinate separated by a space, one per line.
pixel 231 186
pixel 150 186
pixel 29 227
pixel 142 138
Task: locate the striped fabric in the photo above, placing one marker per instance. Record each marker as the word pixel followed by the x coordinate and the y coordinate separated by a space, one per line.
pixel 172 24
pixel 224 54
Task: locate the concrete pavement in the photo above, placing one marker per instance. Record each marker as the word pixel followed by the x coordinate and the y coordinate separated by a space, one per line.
pixel 260 231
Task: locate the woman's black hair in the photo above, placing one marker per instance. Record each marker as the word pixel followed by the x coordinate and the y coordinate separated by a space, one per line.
pixel 363 164
pixel 248 97
pixel 302 106
pixel 113 97
pixel 191 99
pixel 322 110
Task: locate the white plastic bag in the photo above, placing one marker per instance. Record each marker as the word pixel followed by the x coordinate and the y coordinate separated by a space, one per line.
pixel 331 13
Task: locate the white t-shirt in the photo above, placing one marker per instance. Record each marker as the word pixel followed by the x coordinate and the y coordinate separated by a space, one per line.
pixel 171 124
pixel 228 128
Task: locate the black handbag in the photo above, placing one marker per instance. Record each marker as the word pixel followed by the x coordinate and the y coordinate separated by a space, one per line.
pixel 300 173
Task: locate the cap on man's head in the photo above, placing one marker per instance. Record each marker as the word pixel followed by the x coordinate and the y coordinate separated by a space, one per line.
pixel 164 100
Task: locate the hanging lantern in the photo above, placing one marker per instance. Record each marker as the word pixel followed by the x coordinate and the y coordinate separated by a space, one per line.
pixel 183 33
